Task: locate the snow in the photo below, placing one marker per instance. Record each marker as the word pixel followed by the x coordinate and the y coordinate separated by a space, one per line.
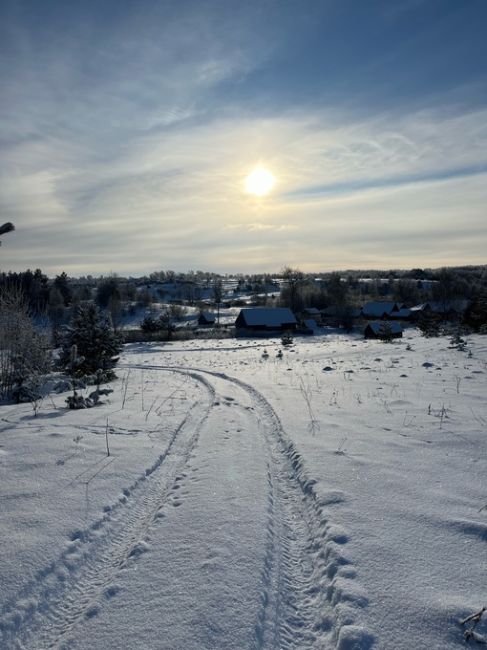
pixel 334 498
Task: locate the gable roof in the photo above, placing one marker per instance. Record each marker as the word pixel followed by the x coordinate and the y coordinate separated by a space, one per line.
pixel 443 306
pixel 402 313
pixel 378 327
pixel 379 308
pixel 268 317
pixel 207 316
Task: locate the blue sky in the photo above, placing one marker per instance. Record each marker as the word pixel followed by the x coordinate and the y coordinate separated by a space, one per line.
pixel 127 130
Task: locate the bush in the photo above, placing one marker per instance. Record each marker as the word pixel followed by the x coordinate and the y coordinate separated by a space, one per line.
pixel 287 339
pixel 150 325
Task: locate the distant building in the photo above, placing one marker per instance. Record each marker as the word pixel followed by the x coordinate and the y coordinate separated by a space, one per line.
pixel 445 308
pixel 206 318
pixel 381 309
pixel 379 329
pixel 276 319
pixel 401 314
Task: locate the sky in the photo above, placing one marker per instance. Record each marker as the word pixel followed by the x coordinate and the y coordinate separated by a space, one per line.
pixel 127 129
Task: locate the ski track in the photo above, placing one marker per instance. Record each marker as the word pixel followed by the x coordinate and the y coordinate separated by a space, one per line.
pixel 48 609
pixel 310 598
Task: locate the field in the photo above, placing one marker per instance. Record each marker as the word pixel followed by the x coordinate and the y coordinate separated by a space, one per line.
pixel 332 498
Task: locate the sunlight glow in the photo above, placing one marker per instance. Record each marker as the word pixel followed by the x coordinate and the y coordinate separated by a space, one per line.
pixel 259 182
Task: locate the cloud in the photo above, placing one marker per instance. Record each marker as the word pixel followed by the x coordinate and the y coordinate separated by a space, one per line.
pixel 175 199
pixel 124 145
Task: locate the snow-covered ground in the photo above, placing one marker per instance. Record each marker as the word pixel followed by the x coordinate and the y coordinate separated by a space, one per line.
pixel 332 498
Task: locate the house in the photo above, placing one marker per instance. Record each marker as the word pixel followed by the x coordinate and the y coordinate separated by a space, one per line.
pixel 206 318
pixel 263 319
pixel 401 314
pixel 449 309
pixel 381 309
pixel 378 330
pixel 312 312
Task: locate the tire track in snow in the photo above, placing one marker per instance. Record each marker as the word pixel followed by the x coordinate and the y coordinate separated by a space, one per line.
pixel 48 609
pixel 309 598
pixel 314 594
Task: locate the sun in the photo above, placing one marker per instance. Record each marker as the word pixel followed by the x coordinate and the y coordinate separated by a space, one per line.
pixel 259 182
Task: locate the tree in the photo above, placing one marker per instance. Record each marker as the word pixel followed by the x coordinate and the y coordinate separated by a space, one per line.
pixel 95 341
pixel 55 311
pixel 25 354
pixel 116 312
pixel 385 332
pixel 429 324
pixel 217 296
pixel 107 289
pixel 294 280
pixel 476 315
pixel 407 291
pixel 337 291
pixel 338 297
pixel 443 289
pixel 61 283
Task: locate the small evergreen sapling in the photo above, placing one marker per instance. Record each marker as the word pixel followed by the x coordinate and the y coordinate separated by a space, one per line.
pixel 97 346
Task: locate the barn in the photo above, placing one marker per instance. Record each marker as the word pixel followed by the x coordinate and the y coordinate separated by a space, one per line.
pixel 380 329
pixel 275 319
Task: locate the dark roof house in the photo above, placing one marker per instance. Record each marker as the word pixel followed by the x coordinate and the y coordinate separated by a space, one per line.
pixel 275 319
pixel 381 309
pixel 381 329
pixel 206 318
pixel 442 307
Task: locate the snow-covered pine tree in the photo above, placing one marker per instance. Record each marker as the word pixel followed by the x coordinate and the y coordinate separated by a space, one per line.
pixel 96 343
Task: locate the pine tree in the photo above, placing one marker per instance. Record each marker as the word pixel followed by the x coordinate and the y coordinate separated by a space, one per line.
pixel 61 282
pixel 95 342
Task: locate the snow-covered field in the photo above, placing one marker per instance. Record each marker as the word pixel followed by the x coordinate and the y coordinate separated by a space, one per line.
pixel 334 498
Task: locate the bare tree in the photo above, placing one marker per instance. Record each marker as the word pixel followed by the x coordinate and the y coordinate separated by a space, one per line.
pixel 25 354
pixel 217 296
pixel 294 280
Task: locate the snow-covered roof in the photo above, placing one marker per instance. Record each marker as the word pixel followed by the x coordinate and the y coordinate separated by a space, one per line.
pixel 268 317
pixel 312 310
pixel 443 306
pixel 378 308
pixel 402 313
pixel 208 316
pixel 420 307
pixel 378 327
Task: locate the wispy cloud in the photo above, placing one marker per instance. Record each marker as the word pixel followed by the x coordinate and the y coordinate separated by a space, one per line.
pixel 125 138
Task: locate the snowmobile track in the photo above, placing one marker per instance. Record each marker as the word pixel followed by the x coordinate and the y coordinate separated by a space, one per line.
pixel 48 609
pixel 309 597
